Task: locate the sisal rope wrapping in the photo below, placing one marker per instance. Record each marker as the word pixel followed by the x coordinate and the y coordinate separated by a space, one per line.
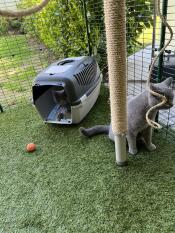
pixel 163 99
pixel 115 24
pixel 21 13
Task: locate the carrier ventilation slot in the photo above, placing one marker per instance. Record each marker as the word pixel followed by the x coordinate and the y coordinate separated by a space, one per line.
pixel 87 75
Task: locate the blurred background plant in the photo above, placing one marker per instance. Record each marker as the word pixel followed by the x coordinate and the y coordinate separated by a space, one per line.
pixel 61 26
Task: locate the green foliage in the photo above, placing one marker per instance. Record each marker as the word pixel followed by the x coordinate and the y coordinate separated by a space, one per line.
pixel 13 24
pixel 139 17
pixel 61 26
pixel 3 26
pixel 16 24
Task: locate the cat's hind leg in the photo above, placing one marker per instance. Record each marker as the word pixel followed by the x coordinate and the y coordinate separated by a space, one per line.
pixel 147 139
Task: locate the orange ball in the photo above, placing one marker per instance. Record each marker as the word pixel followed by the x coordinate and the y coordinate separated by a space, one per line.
pixel 31 147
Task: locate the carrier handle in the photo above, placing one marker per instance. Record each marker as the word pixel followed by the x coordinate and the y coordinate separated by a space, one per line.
pixel 64 62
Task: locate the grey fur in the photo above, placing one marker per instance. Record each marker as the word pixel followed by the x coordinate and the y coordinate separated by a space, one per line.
pixel 137 125
pixel 60 98
pixel 98 129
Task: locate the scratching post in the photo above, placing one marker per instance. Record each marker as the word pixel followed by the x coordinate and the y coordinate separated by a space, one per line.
pixel 115 24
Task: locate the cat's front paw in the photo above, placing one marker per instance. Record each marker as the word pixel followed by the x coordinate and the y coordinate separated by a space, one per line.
pixel 133 151
pixel 151 147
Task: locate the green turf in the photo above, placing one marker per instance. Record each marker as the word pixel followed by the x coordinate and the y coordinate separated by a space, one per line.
pixel 71 184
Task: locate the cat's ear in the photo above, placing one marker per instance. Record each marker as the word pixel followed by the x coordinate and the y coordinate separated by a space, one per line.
pixel 168 82
pixel 154 87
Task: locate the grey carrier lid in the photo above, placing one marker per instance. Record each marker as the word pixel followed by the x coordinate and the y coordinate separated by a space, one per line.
pixel 78 76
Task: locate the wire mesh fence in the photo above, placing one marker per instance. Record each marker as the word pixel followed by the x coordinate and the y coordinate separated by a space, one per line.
pixel 152 40
pixel 76 28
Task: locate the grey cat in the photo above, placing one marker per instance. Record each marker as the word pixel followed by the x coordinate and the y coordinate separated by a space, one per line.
pixel 137 126
pixel 60 98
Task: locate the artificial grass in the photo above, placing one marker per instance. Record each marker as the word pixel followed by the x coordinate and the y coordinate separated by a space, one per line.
pixel 71 184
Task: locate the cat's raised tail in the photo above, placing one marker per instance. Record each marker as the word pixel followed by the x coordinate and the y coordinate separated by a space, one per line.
pixel 98 129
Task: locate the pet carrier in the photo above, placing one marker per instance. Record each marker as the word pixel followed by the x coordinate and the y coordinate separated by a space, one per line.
pixel 66 90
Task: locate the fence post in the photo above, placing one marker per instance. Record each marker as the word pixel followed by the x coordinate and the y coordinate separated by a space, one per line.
pixel 87 28
pixel 162 41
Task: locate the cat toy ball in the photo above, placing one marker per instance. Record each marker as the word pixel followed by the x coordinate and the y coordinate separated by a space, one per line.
pixel 31 147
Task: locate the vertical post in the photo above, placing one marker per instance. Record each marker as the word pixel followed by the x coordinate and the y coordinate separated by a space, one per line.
pixel 162 41
pixel 154 29
pixel 87 28
pixel 115 24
